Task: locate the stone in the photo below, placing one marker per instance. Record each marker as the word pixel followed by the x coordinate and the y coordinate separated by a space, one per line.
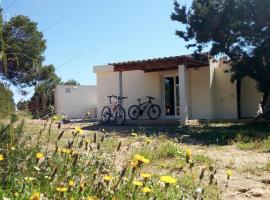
pixel 243 190
pixel 256 192
pixel 266 181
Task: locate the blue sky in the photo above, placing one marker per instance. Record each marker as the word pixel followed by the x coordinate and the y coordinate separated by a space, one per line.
pixel 84 33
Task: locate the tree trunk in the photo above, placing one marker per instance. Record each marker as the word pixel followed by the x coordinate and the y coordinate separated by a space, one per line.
pixel 264 109
pixel 238 92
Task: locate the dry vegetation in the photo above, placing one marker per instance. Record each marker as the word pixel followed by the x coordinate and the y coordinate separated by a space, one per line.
pixel 49 161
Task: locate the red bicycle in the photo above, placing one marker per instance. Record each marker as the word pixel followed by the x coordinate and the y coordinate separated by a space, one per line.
pixel 115 111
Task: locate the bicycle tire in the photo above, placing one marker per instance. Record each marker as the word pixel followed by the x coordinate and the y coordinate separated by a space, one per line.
pixel 154 109
pixel 134 114
pixel 120 116
pixel 106 111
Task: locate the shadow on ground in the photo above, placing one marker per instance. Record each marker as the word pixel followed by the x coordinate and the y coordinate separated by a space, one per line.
pixel 214 133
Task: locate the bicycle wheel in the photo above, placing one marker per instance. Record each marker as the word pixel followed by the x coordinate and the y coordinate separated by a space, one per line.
pixel 154 111
pixel 134 112
pixel 106 114
pixel 120 116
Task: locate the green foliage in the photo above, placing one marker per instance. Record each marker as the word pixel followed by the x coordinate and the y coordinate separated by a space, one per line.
pixel 43 99
pixel 12 146
pixel 23 105
pixel 22 49
pixel 168 150
pixel 6 101
pixel 237 31
pixel 71 82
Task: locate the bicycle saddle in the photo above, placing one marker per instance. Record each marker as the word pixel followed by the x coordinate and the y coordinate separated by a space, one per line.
pixel 139 99
pixel 150 97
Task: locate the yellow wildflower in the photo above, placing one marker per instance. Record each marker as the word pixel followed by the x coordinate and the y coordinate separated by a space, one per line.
pixel 29 179
pixel 61 189
pixel 134 163
pixel 108 178
pixel 13 148
pixel 39 155
pixel 137 183
pixel 188 155
pixel 146 190
pixel 35 196
pixel 2 157
pixel 79 130
pixel 92 198
pixel 229 173
pixel 65 151
pixel 71 183
pixel 82 186
pixel 141 159
pixel 146 175
pixel 148 141
pixel 168 179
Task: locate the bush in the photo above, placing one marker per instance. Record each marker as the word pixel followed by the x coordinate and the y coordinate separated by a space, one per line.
pixel 7 105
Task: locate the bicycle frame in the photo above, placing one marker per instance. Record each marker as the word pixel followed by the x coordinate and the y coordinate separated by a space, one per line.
pixel 115 105
pixel 143 106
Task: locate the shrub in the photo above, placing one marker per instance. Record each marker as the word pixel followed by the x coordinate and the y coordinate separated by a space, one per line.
pixel 7 105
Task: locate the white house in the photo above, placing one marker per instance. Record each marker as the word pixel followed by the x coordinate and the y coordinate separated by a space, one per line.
pixel 183 87
pixel 74 102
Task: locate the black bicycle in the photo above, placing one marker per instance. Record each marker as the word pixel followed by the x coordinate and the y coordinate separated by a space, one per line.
pixel 136 111
pixel 114 111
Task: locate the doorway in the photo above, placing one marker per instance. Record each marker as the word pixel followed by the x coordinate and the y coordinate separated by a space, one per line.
pixel 171 95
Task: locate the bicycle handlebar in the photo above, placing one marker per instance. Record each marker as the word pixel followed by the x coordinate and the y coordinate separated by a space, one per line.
pixel 149 97
pixel 122 97
pixel 119 98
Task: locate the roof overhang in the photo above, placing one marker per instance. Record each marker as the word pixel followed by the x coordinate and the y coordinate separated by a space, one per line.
pixel 161 64
pixel 103 68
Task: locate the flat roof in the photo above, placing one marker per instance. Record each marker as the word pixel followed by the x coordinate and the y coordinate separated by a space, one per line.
pixel 164 63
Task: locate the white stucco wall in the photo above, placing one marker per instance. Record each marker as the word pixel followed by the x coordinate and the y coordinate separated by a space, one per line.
pixel 200 93
pixel 137 84
pixel 224 95
pixel 107 84
pixel 250 97
pixel 75 101
pixel 211 94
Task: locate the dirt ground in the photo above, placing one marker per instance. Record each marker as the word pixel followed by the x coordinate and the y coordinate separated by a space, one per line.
pixel 249 180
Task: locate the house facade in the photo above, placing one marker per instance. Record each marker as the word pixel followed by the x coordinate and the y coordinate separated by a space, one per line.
pixel 183 87
pixel 74 102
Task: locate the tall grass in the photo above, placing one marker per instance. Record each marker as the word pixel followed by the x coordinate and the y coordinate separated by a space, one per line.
pixel 83 167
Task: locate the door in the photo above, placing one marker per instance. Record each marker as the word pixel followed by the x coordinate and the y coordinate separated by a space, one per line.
pixel 171 95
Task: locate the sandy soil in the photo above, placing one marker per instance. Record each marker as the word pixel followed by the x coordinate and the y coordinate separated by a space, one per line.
pixel 247 180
